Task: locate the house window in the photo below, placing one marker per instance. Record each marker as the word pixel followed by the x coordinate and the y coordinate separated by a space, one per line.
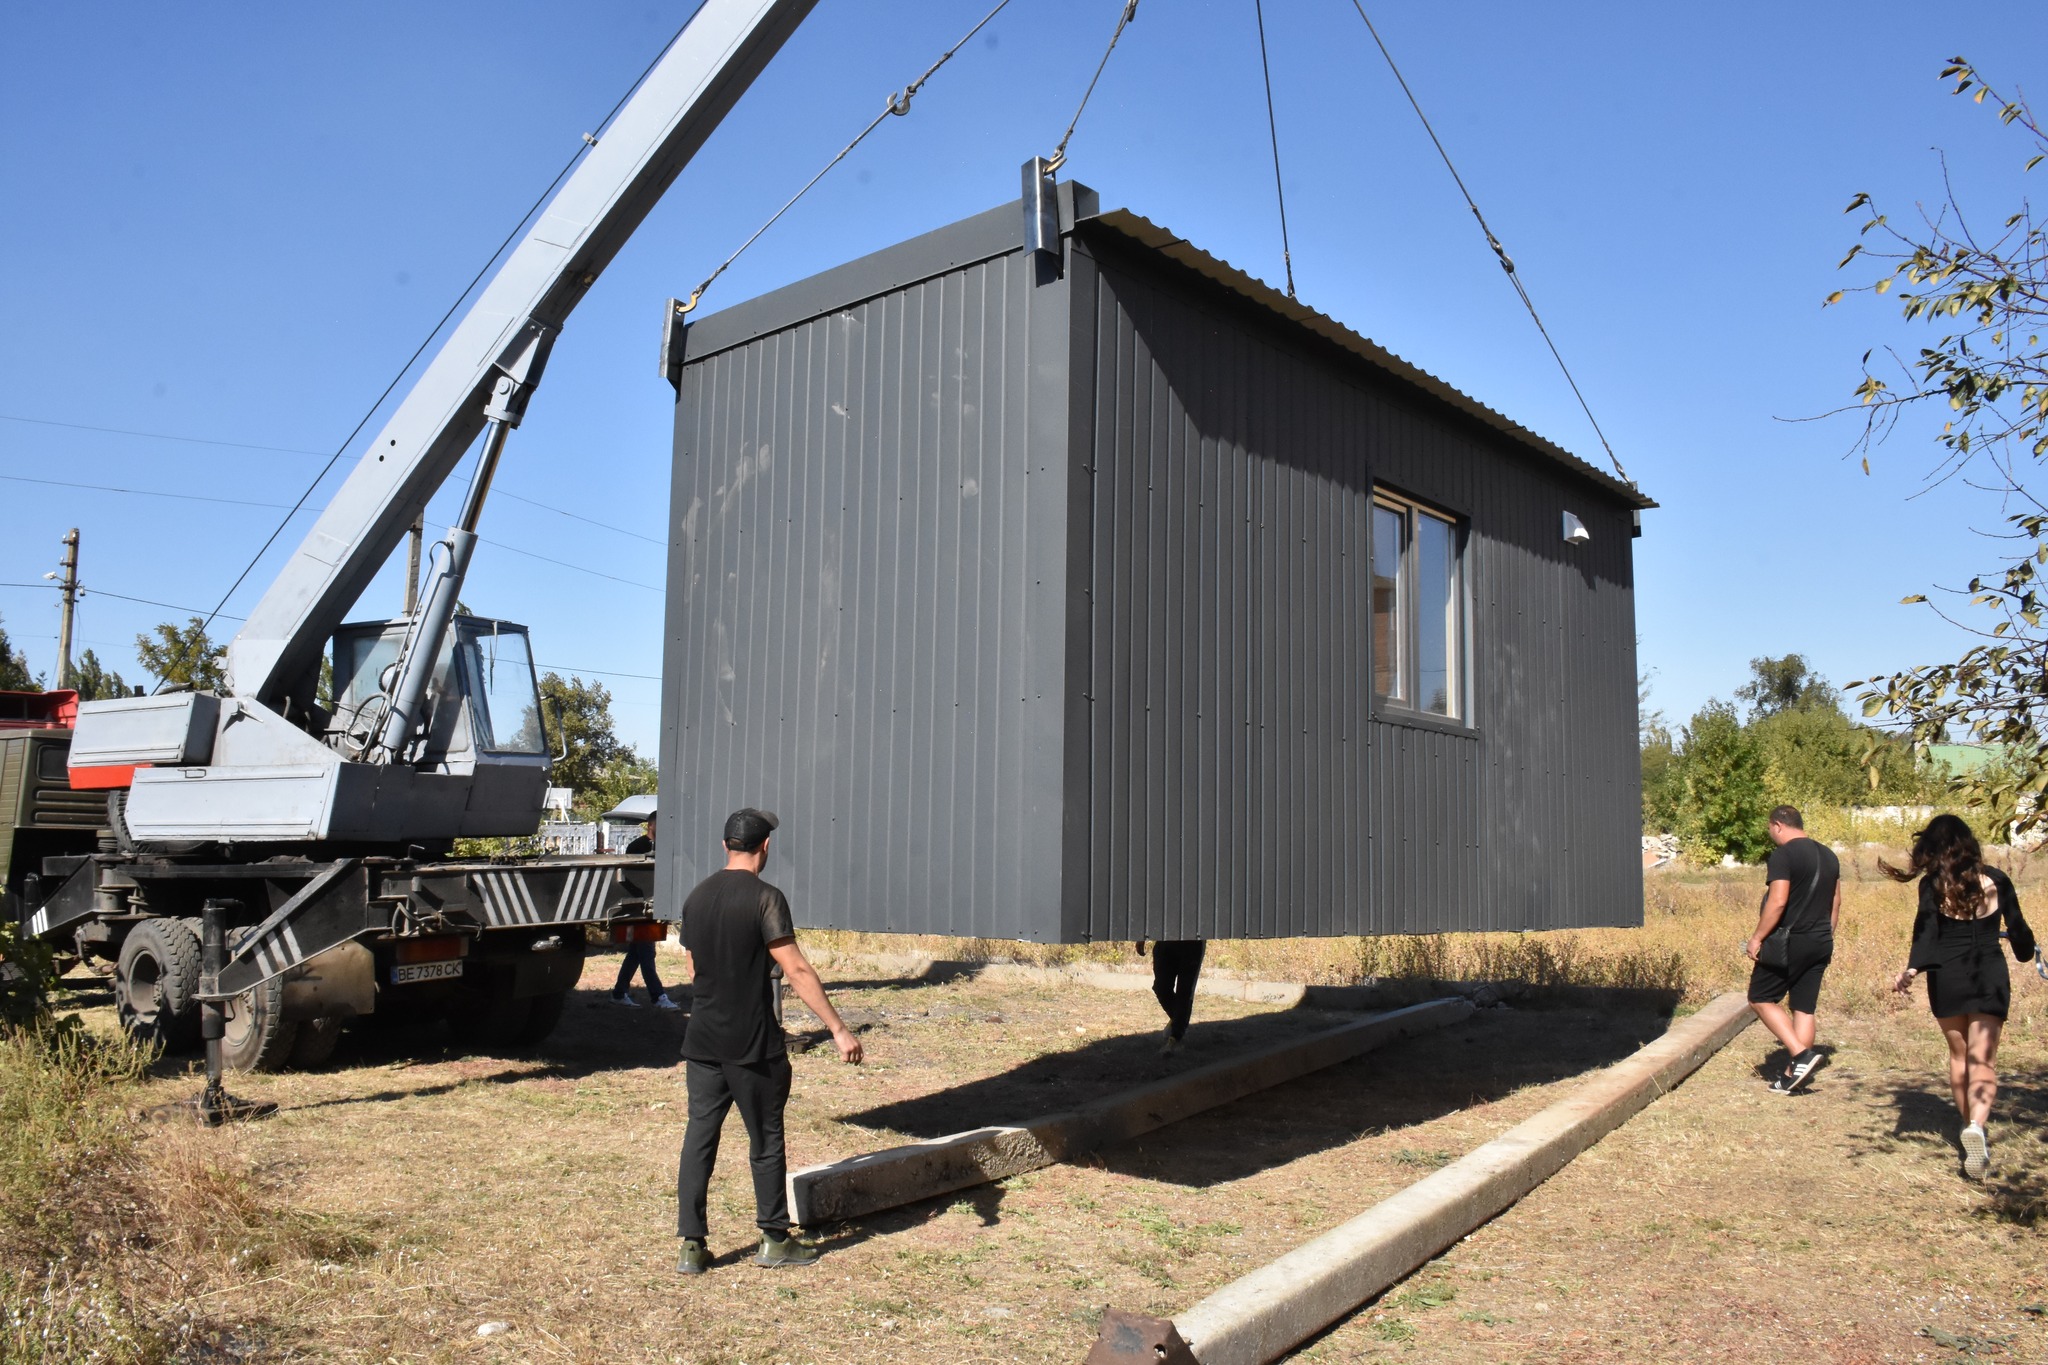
pixel 1416 630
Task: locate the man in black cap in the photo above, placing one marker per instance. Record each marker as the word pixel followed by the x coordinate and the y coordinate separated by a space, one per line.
pixel 734 926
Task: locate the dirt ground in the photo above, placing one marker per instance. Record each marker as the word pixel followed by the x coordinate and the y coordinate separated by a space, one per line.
pixel 537 1191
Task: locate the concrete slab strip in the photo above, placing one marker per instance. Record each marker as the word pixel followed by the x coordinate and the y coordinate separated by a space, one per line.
pixel 1260 1317
pixel 903 1175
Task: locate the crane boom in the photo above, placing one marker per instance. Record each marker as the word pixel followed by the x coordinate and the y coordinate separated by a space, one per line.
pixel 493 357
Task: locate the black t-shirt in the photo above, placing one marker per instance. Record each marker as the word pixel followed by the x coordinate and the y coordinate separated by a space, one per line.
pixel 728 923
pixel 641 844
pixel 1813 871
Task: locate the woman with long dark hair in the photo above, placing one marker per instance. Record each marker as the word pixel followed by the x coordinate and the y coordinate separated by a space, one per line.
pixel 1963 900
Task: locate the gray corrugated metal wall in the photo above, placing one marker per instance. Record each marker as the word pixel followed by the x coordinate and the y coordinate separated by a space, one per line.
pixel 1239 780
pixel 879 515
pixel 866 607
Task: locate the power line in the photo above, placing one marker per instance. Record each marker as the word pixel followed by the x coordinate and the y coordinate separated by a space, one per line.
pixel 145 601
pixel 1273 130
pixel 282 450
pixel 156 435
pixel 1506 262
pixel 596 672
pixel 236 502
pixel 138 492
pixel 571 669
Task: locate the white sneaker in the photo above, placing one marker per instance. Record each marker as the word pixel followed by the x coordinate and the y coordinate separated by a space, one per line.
pixel 1976 1152
pixel 662 1002
pixel 1169 1044
pixel 627 1000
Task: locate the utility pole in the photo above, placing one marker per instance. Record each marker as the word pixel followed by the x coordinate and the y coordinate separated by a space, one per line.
pixel 69 587
pixel 412 565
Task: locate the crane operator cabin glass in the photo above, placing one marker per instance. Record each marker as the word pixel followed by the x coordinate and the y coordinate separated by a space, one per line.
pixel 489 662
pixel 504 700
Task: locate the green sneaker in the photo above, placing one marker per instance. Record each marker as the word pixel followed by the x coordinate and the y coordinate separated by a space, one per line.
pixel 784 1250
pixel 694 1258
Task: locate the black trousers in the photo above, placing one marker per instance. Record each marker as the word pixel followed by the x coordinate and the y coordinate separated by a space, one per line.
pixel 760 1089
pixel 1176 966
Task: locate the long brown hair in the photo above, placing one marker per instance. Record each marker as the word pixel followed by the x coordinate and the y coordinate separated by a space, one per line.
pixel 1948 852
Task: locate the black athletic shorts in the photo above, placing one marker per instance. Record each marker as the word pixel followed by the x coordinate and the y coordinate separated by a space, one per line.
pixel 1807 960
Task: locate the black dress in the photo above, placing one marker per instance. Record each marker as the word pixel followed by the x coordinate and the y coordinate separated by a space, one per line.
pixel 1965 972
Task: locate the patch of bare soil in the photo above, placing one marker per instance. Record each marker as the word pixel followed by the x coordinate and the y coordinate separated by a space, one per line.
pixel 537 1191
pixel 1727 1223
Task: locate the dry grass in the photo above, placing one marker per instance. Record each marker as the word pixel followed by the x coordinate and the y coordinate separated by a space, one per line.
pixel 1694 922
pixel 407 1195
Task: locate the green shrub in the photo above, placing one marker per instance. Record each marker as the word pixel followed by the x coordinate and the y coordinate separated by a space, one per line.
pixel 66 1142
pixel 1723 809
pixel 27 971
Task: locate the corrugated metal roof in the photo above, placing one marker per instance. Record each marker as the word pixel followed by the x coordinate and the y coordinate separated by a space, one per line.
pixel 1174 247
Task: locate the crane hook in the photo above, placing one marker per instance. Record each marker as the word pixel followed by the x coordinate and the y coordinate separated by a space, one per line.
pixel 899 101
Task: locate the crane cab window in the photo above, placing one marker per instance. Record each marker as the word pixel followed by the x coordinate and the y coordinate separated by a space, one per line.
pixel 504 698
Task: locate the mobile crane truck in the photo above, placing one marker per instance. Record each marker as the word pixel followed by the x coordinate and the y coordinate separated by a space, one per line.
pixel 323 833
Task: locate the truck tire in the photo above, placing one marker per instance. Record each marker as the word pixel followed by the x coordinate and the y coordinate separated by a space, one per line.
pixel 489 1019
pixel 258 1037
pixel 546 1012
pixel 155 982
pixel 316 1042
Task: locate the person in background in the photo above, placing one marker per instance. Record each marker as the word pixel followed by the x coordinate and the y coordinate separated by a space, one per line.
pixel 1955 946
pixel 735 925
pixel 640 952
pixel 1176 967
pixel 1802 897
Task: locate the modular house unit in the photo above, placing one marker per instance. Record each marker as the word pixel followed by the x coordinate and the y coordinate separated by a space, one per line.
pixel 1107 593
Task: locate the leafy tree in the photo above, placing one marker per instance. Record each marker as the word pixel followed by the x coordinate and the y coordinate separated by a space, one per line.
pixel 1663 780
pixel 1722 808
pixel 1984 375
pixel 14 674
pixel 1787 684
pixel 1661 777
pixel 184 656
pixel 627 775
pixel 95 681
pixel 579 724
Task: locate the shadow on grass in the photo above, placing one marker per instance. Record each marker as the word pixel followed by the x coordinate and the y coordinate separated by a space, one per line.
pixel 1485 1058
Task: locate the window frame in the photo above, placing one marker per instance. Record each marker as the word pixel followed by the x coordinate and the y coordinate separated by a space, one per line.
pixel 1407 705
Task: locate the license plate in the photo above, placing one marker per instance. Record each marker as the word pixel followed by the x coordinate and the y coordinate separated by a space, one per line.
pixel 425 971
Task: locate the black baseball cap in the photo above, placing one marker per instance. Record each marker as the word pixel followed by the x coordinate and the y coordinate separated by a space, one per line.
pixel 746 827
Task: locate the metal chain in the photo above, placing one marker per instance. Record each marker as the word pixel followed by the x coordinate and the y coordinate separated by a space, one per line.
pixel 1059 153
pixel 898 103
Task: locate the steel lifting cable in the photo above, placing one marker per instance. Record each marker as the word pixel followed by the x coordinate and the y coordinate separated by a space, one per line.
pixel 588 141
pixel 1507 263
pixel 897 104
pixel 1273 130
pixel 1059 153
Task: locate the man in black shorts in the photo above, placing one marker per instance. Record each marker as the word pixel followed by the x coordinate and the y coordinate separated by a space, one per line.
pixel 1803 893
pixel 734 926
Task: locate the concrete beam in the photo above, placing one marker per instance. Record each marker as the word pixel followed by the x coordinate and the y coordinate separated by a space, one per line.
pixel 903 1175
pixel 1270 1311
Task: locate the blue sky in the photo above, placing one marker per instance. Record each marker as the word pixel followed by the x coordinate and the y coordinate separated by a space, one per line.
pixel 234 222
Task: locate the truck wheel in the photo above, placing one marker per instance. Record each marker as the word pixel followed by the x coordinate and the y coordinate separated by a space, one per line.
pixel 488 1019
pixel 257 1036
pixel 540 1022
pixel 316 1042
pixel 155 981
